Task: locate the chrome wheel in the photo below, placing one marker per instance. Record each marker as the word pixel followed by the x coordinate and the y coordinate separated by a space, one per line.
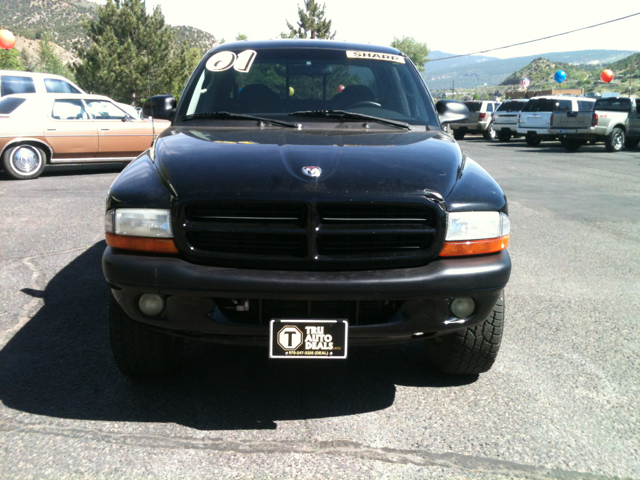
pixel 614 142
pixel 618 140
pixel 24 161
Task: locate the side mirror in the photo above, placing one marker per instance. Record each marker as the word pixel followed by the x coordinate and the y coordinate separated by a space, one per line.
pixel 160 107
pixel 451 111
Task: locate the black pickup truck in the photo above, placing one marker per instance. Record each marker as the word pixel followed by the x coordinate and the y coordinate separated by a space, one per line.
pixel 305 199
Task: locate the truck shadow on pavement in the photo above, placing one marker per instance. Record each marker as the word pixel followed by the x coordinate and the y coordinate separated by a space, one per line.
pixel 60 365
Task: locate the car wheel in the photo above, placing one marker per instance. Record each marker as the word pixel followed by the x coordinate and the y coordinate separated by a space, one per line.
pixel 138 350
pixel 631 144
pixel 533 140
pixel 469 351
pixel 614 142
pixel 504 136
pixel 458 135
pixel 571 144
pixel 489 133
pixel 25 161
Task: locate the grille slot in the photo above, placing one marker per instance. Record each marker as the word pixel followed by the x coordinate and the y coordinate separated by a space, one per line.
pixel 250 243
pixel 373 243
pixel 248 212
pixel 260 312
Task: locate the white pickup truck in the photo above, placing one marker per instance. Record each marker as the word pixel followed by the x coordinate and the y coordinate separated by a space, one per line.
pixel 505 120
pixel 536 119
pixel 614 121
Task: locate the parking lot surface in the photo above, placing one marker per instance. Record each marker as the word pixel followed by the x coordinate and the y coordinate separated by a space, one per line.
pixel 561 401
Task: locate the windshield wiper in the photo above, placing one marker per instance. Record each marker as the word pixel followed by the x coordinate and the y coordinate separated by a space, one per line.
pixel 239 116
pixel 343 114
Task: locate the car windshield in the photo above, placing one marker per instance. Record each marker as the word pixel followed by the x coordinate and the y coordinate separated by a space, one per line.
pixel 511 106
pixel 473 106
pixel 274 83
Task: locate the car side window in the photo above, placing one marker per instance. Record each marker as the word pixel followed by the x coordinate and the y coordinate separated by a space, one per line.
pixel 68 109
pixel 490 107
pixel 54 85
pixel 103 110
pixel 638 105
pixel 11 84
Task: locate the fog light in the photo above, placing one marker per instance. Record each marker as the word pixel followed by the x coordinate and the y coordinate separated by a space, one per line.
pixel 462 307
pixel 151 304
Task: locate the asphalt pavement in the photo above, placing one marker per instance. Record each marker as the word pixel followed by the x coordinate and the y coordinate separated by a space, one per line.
pixel 561 402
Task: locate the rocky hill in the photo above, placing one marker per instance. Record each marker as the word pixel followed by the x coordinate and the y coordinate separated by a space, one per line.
pixel 541 72
pixel 61 21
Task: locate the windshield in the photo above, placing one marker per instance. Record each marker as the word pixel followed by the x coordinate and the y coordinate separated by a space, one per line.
pixel 511 106
pixel 275 82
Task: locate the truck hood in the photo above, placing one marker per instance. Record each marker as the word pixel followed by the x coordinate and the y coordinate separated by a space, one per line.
pixel 206 162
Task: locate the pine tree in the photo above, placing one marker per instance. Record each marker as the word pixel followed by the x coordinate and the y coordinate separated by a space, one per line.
pixel 311 24
pixel 132 55
pixel 49 62
pixel 10 60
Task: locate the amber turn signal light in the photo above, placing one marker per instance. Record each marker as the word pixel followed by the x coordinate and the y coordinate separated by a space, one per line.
pixel 474 247
pixel 141 244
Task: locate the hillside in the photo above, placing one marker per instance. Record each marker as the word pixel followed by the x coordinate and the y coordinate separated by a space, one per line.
pixel 541 72
pixel 61 20
pixel 491 71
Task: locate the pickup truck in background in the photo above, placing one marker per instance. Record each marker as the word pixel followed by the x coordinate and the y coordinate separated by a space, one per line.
pixel 537 117
pixel 505 120
pixel 614 121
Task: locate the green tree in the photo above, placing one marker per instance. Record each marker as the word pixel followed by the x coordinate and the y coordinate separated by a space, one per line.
pixel 241 36
pixel 10 60
pixel 132 55
pixel 49 62
pixel 311 23
pixel 416 51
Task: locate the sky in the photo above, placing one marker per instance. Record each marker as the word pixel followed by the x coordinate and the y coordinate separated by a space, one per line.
pixel 453 26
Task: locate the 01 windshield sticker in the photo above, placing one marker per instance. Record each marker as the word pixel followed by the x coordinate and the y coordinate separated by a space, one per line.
pixel 224 60
pixel 387 57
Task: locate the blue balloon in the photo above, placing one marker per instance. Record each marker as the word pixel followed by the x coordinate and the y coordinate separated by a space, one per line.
pixel 560 76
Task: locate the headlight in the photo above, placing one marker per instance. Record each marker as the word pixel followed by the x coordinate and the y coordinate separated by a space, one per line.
pixel 476 233
pixel 143 229
pixel 139 222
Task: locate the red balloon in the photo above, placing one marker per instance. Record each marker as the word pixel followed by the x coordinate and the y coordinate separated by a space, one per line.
pixel 340 88
pixel 606 76
pixel 7 40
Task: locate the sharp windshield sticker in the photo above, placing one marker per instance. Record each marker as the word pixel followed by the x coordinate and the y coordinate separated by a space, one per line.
pixel 221 61
pixel 387 57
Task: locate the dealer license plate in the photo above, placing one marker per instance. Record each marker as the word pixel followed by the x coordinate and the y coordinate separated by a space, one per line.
pixel 324 339
pixel 567 130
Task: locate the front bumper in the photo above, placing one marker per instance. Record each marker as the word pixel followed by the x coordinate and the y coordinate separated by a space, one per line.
pixel 423 293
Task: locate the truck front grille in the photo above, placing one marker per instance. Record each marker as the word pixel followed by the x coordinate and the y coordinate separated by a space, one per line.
pixel 305 236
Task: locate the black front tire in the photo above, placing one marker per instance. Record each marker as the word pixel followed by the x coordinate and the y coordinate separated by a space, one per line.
pixel 458 135
pixel 472 350
pixel 138 350
pixel 533 140
pixel 24 161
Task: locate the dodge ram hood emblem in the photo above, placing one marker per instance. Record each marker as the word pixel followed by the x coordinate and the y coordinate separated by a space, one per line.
pixel 312 171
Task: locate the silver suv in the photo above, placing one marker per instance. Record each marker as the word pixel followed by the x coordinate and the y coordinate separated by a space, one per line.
pixel 480 120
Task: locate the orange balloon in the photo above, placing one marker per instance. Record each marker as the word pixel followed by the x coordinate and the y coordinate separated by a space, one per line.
pixel 606 76
pixel 7 40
